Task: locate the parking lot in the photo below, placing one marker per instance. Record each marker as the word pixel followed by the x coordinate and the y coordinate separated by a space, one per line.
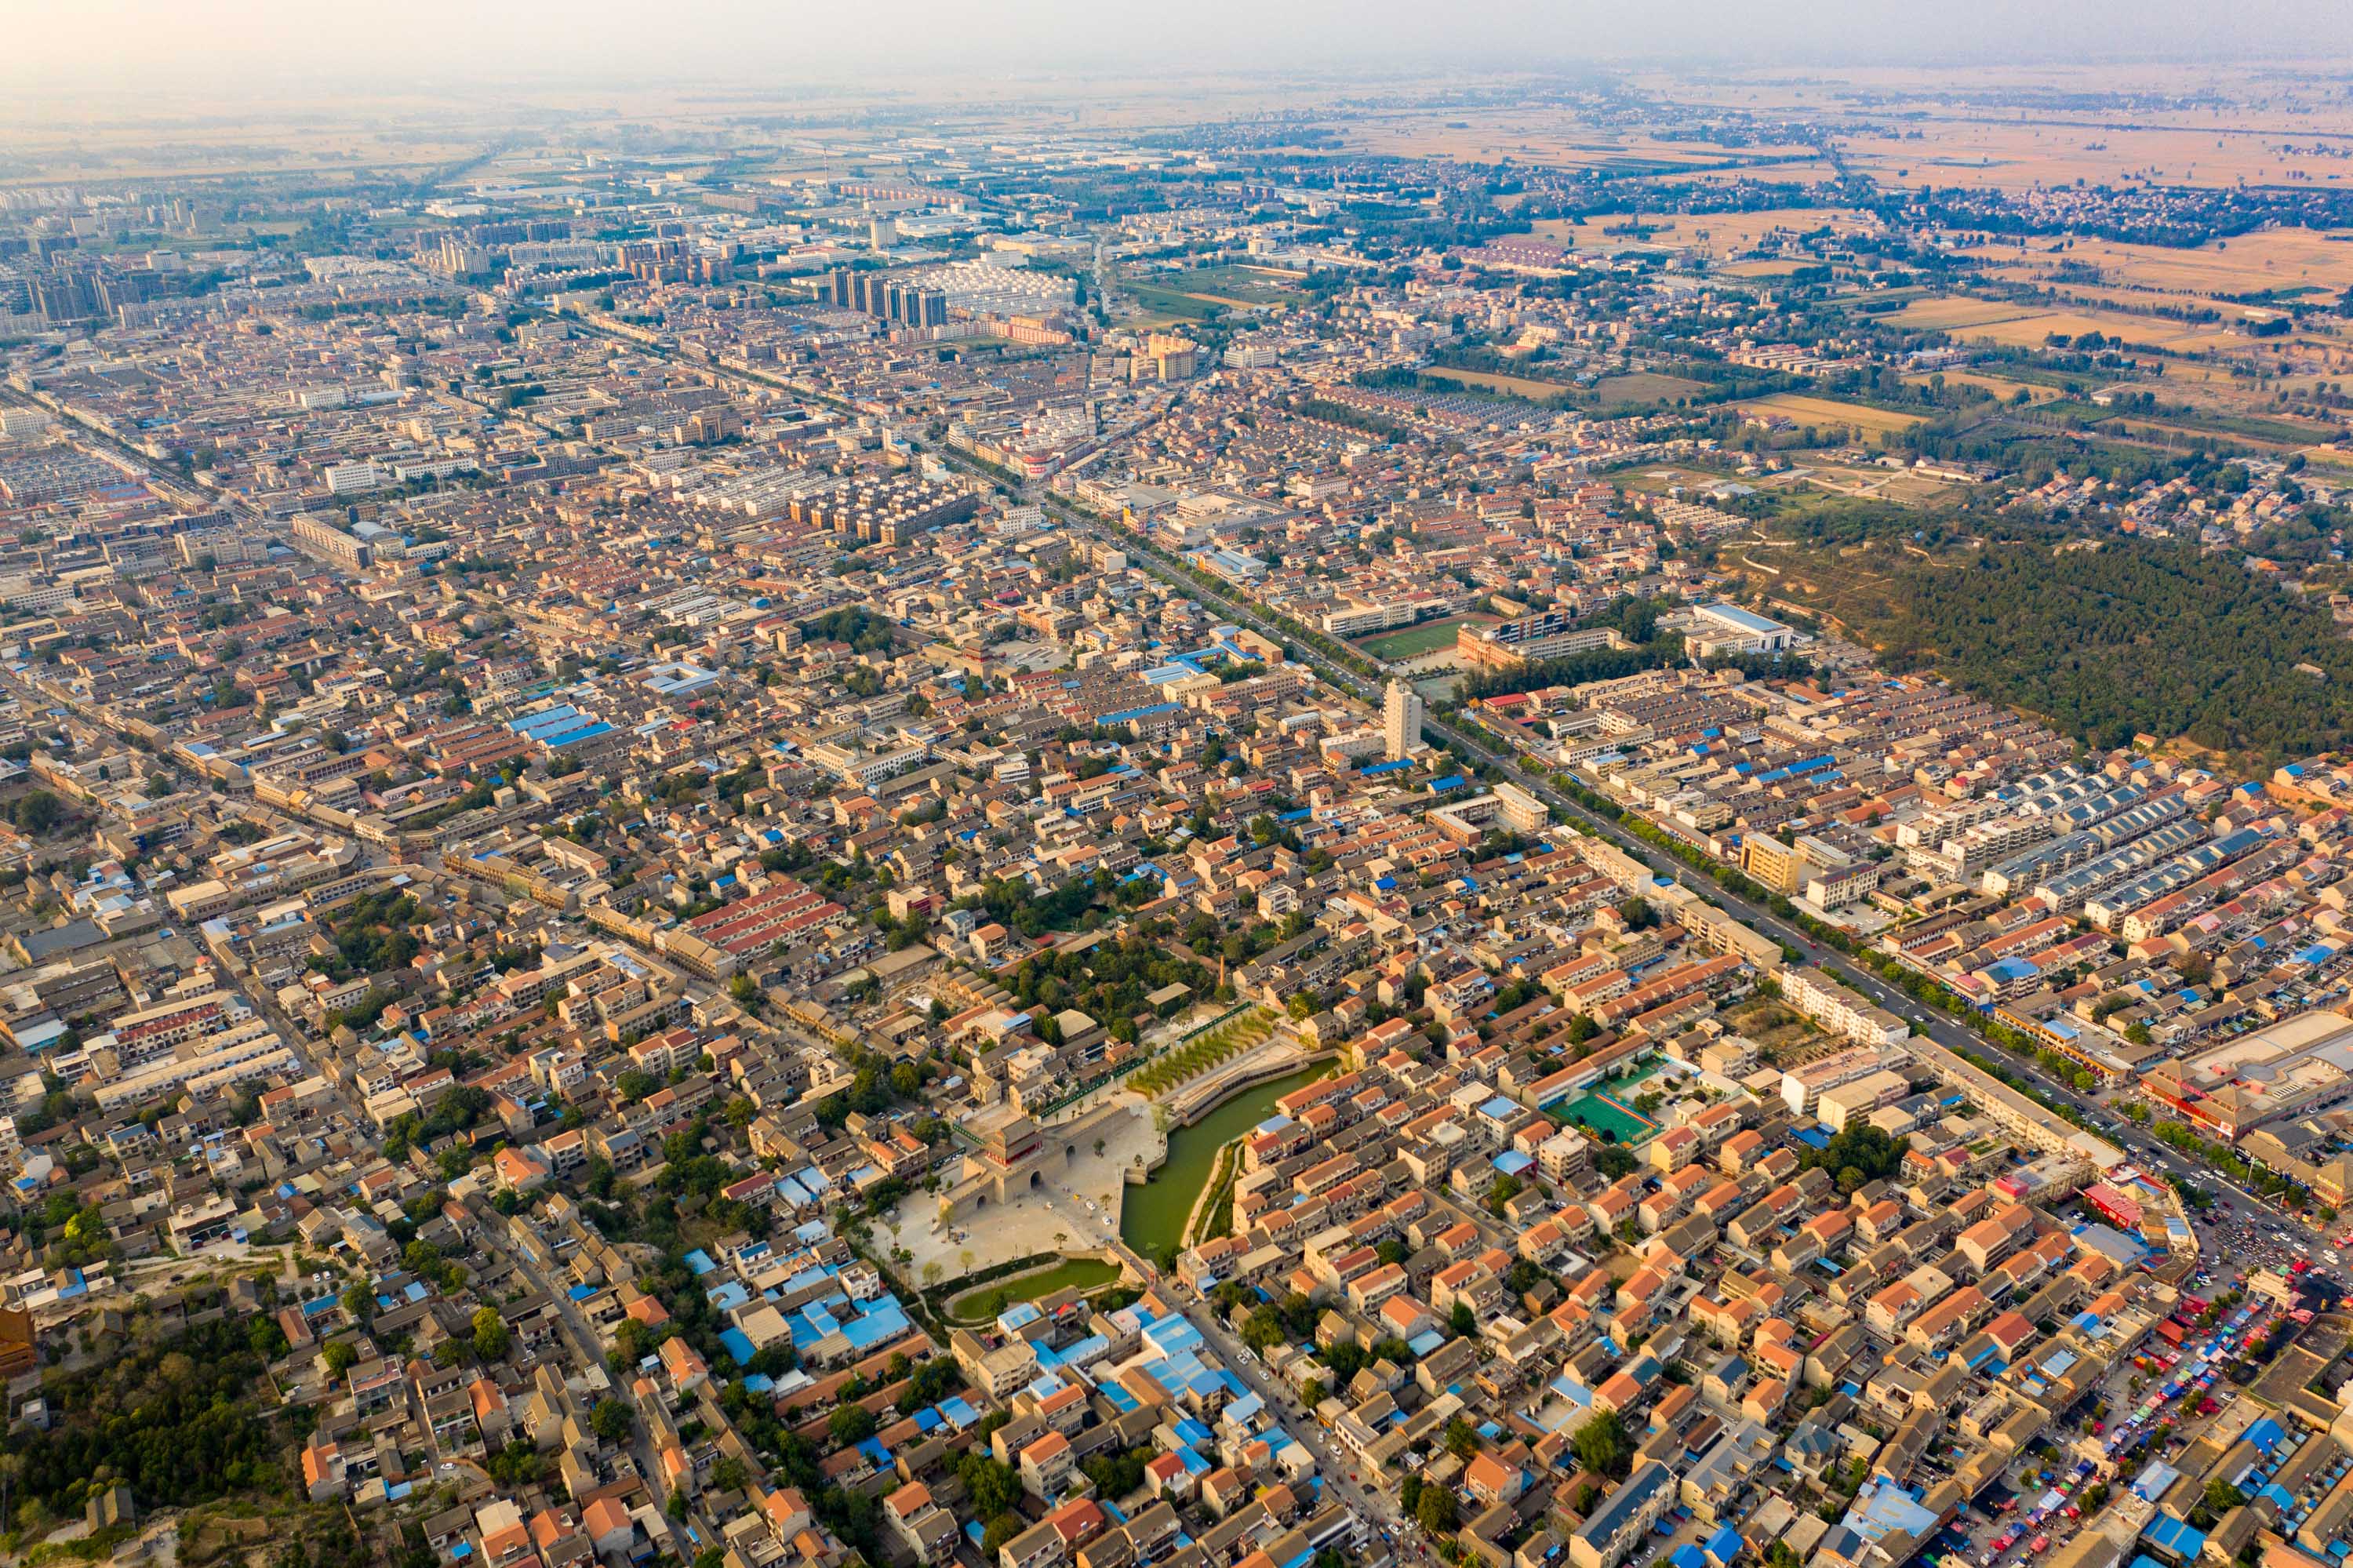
pixel 2261 1240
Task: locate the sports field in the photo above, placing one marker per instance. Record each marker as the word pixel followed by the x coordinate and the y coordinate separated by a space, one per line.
pixel 1609 1107
pixel 1412 641
pixel 1172 304
pixel 1598 1113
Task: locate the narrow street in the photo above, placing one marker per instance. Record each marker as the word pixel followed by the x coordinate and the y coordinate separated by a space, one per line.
pixel 581 1347
pixel 1336 1467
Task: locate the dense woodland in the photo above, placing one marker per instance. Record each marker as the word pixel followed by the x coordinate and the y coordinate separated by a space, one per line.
pixel 2127 637
pixel 175 1417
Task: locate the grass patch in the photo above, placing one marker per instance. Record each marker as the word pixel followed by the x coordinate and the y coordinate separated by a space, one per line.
pixel 1220 1217
pixel 2275 431
pixel 95 1547
pixel 984 1303
pixel 1173 302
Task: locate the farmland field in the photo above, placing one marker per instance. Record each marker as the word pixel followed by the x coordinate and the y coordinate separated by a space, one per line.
pixel 1544 137
pixel 1970 152
pixel 1794 171
pixel 2027 326
pixel 2139 332
pixel 1719 234
pixel 2268 260
pixel 1495 381
pixel 1952 311
pixel 1644 386
pixel 2285 435
pixel 1829 411
pixel 2000 385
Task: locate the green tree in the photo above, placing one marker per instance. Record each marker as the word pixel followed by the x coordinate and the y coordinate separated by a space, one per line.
pixel 612 1420
pixel 37 812
pixel 990 1487
pixel 1602 1445
pixel 850 1424
pixel 491 1337
pixel 1867 1153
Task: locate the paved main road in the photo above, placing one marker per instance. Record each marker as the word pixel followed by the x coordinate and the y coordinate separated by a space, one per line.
pixel 1938 1027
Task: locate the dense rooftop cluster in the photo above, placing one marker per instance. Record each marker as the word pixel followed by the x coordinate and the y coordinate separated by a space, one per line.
pixel 1080 855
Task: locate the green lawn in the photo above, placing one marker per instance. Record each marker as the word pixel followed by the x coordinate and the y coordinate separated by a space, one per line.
pixel 985 1302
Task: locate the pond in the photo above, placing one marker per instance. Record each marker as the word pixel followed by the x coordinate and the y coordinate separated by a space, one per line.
pixel 1153 1216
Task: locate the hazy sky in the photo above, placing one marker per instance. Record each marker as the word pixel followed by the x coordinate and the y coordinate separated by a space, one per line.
pixel 70 46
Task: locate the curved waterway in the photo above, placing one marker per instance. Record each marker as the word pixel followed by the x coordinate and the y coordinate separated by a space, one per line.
pixel 1153 1216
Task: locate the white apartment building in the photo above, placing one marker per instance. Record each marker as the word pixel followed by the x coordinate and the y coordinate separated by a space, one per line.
pixel 1842 1012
